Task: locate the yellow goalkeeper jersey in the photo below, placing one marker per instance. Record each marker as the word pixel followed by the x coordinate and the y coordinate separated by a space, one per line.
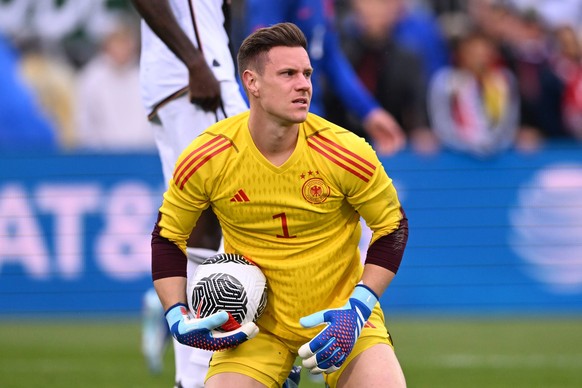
pixel 299 222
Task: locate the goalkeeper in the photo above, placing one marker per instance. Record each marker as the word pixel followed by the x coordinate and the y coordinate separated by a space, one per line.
pixel 288 188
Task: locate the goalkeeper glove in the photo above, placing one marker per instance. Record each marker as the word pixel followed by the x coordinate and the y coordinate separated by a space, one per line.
pixel 200 333
pixel 328 350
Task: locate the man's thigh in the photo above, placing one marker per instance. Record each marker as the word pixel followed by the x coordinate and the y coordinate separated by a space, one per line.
pixel 264 358
pixel 375 348
pixel 377 366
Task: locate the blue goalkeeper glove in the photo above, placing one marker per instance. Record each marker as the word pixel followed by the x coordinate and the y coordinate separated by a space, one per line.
pixel 328 350
pixel 200 333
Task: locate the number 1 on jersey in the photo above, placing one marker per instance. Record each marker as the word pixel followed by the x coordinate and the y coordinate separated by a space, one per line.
pixel 283 218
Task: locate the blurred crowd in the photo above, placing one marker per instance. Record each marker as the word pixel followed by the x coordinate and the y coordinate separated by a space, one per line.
pixel 74 71
pixel 476 76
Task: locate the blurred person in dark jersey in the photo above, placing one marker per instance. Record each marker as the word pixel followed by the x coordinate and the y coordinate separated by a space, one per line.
pixel 316 19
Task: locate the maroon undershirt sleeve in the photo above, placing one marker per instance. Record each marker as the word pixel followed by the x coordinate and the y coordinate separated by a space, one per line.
pixel 388 250
pixel 167 258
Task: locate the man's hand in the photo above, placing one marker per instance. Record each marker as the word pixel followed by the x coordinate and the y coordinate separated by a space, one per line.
pixel 203 88
pixel 328 350
pixel 200 333
pixel 384 131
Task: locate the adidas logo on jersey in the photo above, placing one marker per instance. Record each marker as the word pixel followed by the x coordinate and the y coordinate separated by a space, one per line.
pixel 240 196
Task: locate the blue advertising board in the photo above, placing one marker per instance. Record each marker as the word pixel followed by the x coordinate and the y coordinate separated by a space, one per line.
pixel 486 236
pixel 75 232
pixel 501 235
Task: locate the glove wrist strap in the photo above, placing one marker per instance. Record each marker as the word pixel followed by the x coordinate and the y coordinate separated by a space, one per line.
pixel 365 295
pixel 174 313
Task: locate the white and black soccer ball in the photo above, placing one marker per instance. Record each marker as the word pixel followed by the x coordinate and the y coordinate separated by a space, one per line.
pixel 231 283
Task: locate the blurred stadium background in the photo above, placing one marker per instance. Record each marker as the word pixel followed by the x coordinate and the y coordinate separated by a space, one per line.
pixel 489 293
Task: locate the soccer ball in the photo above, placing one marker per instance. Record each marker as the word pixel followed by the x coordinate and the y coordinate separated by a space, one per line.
pixel 231 283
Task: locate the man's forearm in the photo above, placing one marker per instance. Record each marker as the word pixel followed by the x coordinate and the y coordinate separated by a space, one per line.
pixel 159 17
pixel 377 278
pixel 171 291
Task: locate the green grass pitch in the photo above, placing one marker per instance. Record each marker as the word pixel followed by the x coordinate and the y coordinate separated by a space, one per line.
pixel 441 352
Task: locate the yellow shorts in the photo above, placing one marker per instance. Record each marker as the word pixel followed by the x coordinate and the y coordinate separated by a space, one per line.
pixel 269 359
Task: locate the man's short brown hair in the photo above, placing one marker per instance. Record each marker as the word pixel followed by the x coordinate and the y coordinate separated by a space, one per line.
pixel 254 48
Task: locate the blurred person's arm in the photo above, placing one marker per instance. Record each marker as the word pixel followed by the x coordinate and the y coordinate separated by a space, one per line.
pixel 529 139
pixel 204 89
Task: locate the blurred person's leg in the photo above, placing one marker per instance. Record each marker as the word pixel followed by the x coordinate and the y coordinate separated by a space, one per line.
pixel 155 333
pixel 179 123
pixel 176 125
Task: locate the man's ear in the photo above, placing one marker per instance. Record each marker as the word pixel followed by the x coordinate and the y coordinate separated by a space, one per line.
pixel 249 80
